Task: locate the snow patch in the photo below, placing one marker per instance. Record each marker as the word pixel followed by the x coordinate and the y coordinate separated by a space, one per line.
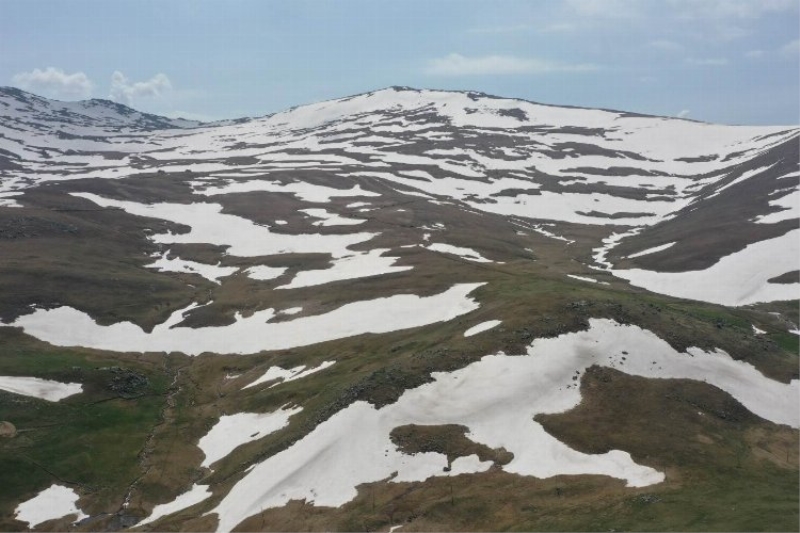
pixel 307 192
pixel 737 279
pixel 790 209
pixel 44 389
pixel 193 496
pixel 467 253
pixel 359 265
pixel 54 502
pixel 497 398
pixel 275 373
pixel 234 430
pixel 65 326
pixel 483 326
pixel 210 272
pixel 264 273
pixel 331 219
pixel 653 250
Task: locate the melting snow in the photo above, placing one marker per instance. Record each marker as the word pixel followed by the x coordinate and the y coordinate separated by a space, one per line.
pixel 45 389
pixel 581 278
pixel 6 199
pixel 274 373
pixel 467 253
pixel 483 326
pixel 331 219
pixel 210 272
pixel 193 496
pixel 790 209
pixel 360 265
pixel 234 430
pixel 54 502
pixel 497 399
pixel 736 279
pixel 65 326
pixel 243 237
pixel 308 192
pixel 264 273
pixel 652 250
pixel 601 253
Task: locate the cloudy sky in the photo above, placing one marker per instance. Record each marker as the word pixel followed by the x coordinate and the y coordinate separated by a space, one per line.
pixel 728 61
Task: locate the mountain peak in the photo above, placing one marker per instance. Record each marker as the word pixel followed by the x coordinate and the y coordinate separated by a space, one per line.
pixel 92 113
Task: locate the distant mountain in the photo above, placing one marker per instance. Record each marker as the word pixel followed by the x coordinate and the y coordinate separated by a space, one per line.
pixel 434 310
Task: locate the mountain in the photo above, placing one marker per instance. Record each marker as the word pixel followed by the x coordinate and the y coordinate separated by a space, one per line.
pixel 406 308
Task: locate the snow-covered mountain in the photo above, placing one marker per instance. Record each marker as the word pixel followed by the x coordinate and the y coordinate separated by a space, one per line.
pixel 705 191
pixel 320 283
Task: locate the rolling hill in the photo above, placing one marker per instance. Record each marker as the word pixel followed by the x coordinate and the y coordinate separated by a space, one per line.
pixel 416 309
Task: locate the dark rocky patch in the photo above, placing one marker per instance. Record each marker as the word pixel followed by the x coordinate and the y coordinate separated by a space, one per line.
pixel 786 278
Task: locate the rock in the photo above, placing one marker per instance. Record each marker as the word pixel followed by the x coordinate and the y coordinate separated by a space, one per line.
pixel 8 430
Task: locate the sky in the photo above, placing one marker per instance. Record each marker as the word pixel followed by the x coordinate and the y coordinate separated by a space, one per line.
pixel 724 61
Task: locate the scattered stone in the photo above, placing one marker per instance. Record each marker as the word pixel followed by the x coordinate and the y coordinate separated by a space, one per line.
pixel 127 383
pixel 648 498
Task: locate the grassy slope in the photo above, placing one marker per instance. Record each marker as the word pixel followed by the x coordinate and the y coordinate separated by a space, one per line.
pixel 89 441
pixel 98 445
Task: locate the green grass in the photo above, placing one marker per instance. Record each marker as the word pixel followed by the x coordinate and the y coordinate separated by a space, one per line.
pixel 91 440
pixel 787 341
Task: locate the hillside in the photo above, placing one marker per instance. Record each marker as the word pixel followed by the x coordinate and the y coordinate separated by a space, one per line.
pixel 406 308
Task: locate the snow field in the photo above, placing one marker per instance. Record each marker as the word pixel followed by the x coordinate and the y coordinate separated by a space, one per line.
pixel 736 279
pixel 497 399
pixel 45 389
pixel 790 209
pixel 354 266
pixel 307 192
pixel 196 494
pixel 57 501
pixel 176 264
pixel 65 326
pixel 234 430
pixel 243 237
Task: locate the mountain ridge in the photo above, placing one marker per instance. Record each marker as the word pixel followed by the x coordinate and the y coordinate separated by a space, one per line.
pixel 434 310
pixel 14 91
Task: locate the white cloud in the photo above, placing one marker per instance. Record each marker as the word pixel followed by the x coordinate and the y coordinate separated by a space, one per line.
pixel 606 8
pixel 560 27
pixel 667 46
pixel 742 9
pixel 683 113
pixel 755 54
pixel 724 33
pixel 122 90
pixel 501 29
pixel 707 62
pixel 790 49
pixel 458 65
pixel 55 83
